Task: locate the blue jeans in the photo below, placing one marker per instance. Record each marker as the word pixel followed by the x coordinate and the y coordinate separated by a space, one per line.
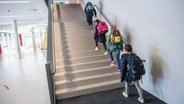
pixel 116 53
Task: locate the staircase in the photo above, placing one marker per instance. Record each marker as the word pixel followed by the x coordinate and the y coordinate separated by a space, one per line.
pixel 80 69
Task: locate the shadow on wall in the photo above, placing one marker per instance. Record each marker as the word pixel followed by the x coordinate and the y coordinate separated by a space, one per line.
pixel 115 21
pixel 157 72
pixel 100 6
pixel 128 34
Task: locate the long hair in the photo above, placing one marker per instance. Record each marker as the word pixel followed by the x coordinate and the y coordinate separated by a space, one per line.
pixel 128 48
pixel 97 21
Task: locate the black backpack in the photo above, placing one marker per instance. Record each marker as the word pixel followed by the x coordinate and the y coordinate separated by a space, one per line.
pixel 135 67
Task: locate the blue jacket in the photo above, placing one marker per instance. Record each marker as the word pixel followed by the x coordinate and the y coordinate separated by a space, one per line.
pixel 124 64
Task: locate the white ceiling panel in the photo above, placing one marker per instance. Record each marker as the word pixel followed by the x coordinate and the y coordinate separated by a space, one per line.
pixel 24 11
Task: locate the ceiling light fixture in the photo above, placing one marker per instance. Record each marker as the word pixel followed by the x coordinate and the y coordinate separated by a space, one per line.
pixel 11 2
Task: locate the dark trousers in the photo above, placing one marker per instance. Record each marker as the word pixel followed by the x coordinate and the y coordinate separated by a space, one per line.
pixel 89 17
pixel 104 44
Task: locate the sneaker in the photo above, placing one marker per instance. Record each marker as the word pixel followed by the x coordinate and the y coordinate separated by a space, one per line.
pixel 124 94
pixel 105 53
pixel 96 49
pixel 141 100
pixel 112 63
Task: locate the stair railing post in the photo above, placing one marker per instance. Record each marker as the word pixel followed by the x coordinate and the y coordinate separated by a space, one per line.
pixel 50 83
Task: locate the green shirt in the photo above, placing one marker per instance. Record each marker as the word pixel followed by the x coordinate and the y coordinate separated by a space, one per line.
pixel 114 46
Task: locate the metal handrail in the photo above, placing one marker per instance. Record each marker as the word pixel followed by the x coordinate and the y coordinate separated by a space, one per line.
pixel 49 34
pixel 53 45
pixel 109 22
pixel 50 83
pixel 50 65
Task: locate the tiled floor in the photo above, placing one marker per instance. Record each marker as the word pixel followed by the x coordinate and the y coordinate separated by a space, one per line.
pixel 23 81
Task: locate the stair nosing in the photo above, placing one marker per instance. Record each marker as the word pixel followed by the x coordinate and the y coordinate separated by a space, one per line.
pixel 87 78
pixel 63 66
pixel 79 71
pixel 82 51
pixel 75 58
pixel 85 51
pixel 78 88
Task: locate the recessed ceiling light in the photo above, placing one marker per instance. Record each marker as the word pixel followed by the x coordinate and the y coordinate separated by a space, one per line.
pixel 11 2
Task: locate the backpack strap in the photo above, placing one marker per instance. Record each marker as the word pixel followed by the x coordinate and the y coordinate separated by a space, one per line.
pixel 129 57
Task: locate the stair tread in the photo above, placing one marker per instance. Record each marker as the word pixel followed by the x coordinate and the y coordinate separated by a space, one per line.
pixel 84 63
pixel 78 88
pixel 84 66
pixel 82 57
pixel 79 71
pixel 87 78
pixel 90 52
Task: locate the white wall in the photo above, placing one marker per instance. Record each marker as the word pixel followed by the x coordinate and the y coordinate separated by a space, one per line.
pixel 155 28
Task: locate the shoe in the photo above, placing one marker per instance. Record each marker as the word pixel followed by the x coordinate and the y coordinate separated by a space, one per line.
pixel 125 95
pixel 105 53
pixel 112 63
pixel 141 100
pixel 96 49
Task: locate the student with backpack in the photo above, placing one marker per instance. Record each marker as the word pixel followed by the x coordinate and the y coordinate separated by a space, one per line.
pixel 100 33
pixel 132 71
pixel 115 45
pixel 97 21
pixel 90 12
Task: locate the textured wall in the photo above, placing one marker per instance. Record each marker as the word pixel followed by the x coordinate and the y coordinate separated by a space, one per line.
pixel 155 28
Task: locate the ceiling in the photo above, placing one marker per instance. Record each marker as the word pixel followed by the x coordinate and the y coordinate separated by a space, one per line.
pixel 26 12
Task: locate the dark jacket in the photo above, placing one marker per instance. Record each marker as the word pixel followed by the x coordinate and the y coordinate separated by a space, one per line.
pixel 89 13
pixel 102 37
pixel 125 74
pixel 96 33
pixel 124 64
